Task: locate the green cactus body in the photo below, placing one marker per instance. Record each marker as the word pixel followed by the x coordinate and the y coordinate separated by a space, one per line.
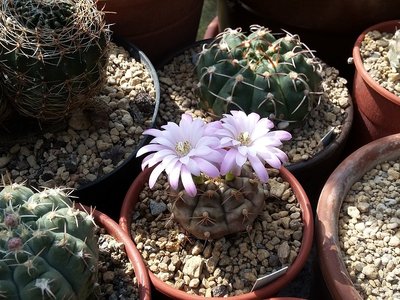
pixel 53 55
pixel 48 249
pixel 276 78
pixel 221 207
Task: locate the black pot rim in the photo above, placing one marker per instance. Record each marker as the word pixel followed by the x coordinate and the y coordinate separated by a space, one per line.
pixel 139 56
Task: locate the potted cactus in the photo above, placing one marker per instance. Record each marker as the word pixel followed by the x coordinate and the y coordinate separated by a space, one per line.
pixel 376 94
pixel 74 101
pixel 49 248
pixel 220 179
pixel 53 56
pixel 278 77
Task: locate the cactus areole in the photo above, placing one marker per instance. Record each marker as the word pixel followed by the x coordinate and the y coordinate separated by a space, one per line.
pixel 48 249
pixel 276 78
pixel 53 55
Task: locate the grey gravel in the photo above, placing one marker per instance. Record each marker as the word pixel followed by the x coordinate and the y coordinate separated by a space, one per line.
pixel 369 232
pixel 374 49
pixel 95 141
pixel 227 266
pixel 116 277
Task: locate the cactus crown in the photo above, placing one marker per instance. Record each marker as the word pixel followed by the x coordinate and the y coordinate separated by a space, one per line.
pixel 53 55
pixel 276 78
pixel 48 249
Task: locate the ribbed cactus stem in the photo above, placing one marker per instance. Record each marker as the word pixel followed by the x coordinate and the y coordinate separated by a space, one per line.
pixel 274 77
pixel 221 207
pixel 48 249
pixel 53 55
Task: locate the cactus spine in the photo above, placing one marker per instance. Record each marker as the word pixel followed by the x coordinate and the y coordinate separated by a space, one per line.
pixel 221 207
pixel 53 55
pixel 276 78
pixel 48 249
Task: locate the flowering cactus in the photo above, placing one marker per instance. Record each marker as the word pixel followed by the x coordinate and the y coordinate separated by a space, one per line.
pixel 48 249
pixel 276 78
pixel 53 55
pixel 216 170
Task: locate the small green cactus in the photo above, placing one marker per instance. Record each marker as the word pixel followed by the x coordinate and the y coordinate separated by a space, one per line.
pixel 48 249
pixel 276 78
pixel 222 206
pixel 53 55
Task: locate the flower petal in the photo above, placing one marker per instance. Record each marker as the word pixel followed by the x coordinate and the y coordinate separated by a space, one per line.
pixel 259 168
pixel 187 182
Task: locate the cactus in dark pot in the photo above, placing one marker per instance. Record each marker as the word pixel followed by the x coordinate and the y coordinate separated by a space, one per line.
pixel 274 77
pixel 48 249
pixel 53 55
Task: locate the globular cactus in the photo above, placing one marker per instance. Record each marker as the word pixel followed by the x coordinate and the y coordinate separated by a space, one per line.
pixel 53 55
pixel 48 249
pixel 276 78
pixel 393 53
pixel 221 207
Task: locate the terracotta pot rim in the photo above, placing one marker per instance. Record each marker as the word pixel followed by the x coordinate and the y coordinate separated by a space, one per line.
pixel 133 254
pixel 276 285
pixel 331 198
pixel 360 66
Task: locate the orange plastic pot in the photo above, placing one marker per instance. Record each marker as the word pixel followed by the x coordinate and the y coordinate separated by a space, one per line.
pixel 134 256
pixel 132 197
pixel 377 109
pixel 332 266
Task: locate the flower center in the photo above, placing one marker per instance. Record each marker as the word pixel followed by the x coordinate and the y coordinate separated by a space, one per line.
pixel 244 138
pixel 183 148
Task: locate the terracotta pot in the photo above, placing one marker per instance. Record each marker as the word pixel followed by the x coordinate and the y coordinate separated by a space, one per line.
pixel 332 196
pixel 271 289
pixel 378 109
pixel 329 27
pixel 134 256
pixel 156 27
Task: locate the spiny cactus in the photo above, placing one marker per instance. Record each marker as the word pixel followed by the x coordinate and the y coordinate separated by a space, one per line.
pixel 221 207
pixel 53 55
pixel 276 78
pixel 48 249
pixel 393 54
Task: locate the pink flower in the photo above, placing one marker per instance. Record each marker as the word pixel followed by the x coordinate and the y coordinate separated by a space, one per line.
pixel 248 138
pixel 182 151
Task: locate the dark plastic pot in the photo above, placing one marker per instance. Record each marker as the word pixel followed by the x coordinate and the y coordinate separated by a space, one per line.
pixel 107 192
pixel 270 290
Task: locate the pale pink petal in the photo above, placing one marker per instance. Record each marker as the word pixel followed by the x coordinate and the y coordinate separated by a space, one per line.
pixel 154 175
pixel 173 176
pixel 206 167
pixel 149 148
pixel 193 167
pixel 229 161
pixel 240 159
pixel 259 169
pixel 187 182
